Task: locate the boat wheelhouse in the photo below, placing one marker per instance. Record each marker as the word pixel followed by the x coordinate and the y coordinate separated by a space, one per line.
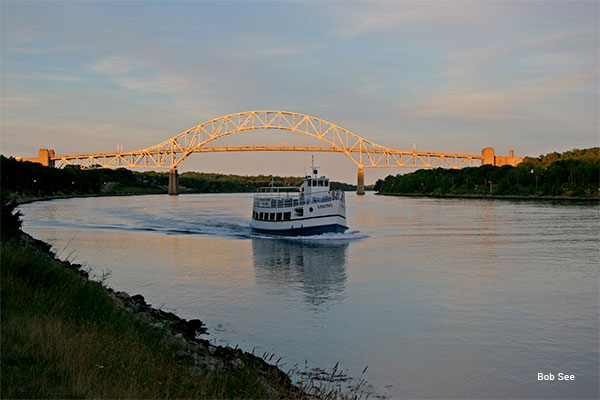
pixel 311 209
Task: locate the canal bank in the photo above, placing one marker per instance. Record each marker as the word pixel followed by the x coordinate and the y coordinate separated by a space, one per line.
pixel 493 197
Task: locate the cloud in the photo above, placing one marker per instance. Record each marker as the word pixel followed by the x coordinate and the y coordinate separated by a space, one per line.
pixel 139 75
pixel 462 103
pixel 30 50
pixel 548 88
pixel 563 50
pixel 23 101
pixel 383 16
pixel 115 65
pixel 499 104
pixel 57 77
pixel 154 84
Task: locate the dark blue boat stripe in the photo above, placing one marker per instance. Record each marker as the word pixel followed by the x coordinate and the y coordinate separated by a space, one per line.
pixel 310 230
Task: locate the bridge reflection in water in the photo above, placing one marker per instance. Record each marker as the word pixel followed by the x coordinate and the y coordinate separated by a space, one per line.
pixel 316 269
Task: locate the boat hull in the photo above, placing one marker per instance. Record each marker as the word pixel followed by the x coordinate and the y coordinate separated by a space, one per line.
pixel 302 220
pixel 305 231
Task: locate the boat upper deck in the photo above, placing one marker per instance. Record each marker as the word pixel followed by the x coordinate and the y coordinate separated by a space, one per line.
pixel 279 197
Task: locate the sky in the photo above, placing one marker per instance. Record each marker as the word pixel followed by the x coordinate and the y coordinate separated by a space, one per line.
pixel 448 76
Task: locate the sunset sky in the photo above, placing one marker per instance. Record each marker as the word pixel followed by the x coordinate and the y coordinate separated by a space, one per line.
pixel 447 76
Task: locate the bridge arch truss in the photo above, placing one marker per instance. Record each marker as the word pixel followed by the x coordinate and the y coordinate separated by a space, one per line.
pixel 363 152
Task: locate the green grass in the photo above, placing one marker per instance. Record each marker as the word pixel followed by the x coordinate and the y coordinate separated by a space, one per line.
pixel 64 337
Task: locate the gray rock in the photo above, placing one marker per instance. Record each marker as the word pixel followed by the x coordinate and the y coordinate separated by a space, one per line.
pixel 123 295
pixel 201 350
pixel 182 353
pixel 139 299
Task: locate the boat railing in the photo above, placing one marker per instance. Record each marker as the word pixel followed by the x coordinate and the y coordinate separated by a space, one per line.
pixel 273 190
pixel 298 199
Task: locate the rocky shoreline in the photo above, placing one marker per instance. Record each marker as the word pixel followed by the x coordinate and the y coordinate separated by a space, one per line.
pixel 198 355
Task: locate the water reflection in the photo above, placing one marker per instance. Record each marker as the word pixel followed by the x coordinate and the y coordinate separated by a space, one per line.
pixel 317 269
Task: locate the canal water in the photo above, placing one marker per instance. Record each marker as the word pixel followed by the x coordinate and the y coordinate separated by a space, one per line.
pixel 439 298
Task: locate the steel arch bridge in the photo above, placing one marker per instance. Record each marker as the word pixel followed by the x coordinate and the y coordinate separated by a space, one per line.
pixel 362 152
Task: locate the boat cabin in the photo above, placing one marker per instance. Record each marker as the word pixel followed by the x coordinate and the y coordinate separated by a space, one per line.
pixel 313 185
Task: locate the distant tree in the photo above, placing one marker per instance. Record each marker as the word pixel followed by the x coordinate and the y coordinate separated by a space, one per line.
pixel 573 173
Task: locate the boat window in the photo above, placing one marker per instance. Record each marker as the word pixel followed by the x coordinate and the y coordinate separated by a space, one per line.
pixel 299 211
pixel 255 215
pixel 320 183
pixel 314 183
pixel 326 183
pixel 260 215
pixel 271 216
pixel 278 216
pixel 287 216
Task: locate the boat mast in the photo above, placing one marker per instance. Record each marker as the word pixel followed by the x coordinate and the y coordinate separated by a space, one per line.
pixel 315 170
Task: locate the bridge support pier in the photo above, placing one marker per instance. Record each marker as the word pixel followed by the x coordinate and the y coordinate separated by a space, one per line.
pixel 173 182
pixel 360 185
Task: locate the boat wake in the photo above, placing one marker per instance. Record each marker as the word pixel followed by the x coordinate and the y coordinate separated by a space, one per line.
pixel 229 227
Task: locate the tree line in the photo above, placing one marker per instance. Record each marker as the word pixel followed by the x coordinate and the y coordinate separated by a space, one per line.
pixel 199 182
pixel 574 173
pixel 23 178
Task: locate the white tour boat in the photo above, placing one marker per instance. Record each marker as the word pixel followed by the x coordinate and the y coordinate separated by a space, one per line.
pixel 312 209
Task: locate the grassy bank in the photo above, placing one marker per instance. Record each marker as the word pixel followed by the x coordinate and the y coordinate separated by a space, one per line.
pixel 64 336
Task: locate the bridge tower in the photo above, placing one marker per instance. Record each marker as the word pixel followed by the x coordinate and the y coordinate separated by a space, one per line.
pixel 360 184
pixel 173 182
pixel 44 157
